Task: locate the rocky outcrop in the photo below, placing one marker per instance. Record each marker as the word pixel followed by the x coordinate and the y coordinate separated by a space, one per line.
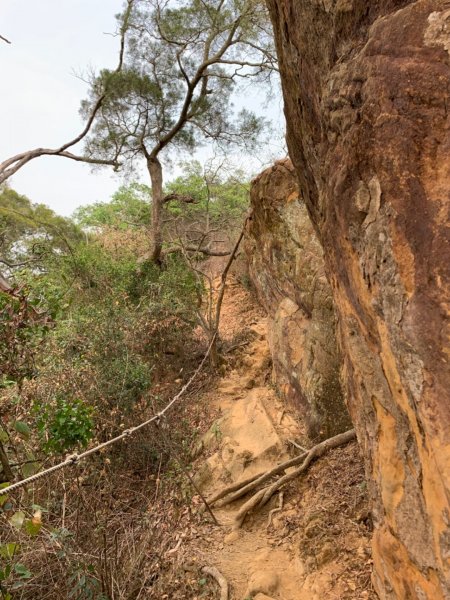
pixel 287 270
pixel 366 89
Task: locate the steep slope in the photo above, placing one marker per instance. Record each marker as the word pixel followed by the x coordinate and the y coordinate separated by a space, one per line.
pixel 366 100
pixel 317 544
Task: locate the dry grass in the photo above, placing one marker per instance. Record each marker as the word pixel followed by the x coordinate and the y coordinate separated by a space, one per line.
pixel 109 524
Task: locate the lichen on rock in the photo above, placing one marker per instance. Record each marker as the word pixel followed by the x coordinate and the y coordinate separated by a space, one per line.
pixel 286 268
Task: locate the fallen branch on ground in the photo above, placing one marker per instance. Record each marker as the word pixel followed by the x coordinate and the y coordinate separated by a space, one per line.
pixel 263 496
pixel 217 575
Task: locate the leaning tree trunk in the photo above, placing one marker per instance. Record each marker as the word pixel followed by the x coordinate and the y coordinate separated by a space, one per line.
pixel 156 178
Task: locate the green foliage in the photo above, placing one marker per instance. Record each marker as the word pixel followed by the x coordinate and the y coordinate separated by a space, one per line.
pixel 17 519
pixel 33 239
pixel 23 325
pixel 84 586
pixel 22 428
pixel 219 198
pixel 9 550
pixel 117 318
pixel 92 327
pixel 170 292
pixel 103 346
pixel 65 424
pixel 130 205
pixel 32 234
pixel 14 575
pixel 96 272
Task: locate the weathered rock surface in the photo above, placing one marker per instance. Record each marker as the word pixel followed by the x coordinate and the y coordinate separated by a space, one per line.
pixel 250 435
pixel 366 89
pixel 286 268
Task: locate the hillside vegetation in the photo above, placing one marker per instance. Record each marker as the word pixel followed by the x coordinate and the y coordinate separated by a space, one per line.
pixel 94 338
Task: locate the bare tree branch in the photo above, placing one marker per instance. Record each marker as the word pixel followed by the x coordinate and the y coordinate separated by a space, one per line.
pixel 179 198
pixel 4 39
pixel 10 166
pixel 16 265
pixel 205 251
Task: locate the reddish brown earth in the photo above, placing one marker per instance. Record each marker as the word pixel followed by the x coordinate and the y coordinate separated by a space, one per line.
pixel 366 90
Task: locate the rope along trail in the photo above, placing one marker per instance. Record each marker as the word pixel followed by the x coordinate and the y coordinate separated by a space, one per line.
pixel 73 459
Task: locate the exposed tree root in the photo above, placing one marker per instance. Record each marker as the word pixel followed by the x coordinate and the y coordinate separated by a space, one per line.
pixel 247 485
pixel 232 488
pixel 275 510
pixel 217 575
pixel 263 496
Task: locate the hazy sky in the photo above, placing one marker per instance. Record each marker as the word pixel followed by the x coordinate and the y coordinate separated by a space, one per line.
pixel 52 41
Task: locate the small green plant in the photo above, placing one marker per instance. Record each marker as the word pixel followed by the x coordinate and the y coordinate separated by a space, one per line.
pixel 13 574
pixel 84 585
pixel 67 424
pixel 216 431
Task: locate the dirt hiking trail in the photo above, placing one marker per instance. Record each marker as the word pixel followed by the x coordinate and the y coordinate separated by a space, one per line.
pixel 311 541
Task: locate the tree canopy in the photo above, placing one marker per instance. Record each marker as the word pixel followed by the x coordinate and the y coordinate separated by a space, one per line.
pixel 182 63
pixel 31 232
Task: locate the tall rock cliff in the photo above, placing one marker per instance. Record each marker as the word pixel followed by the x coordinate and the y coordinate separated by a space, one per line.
pixel 366 89
pixel 287 269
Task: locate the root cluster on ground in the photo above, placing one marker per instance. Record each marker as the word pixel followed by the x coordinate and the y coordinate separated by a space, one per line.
pixel 262 496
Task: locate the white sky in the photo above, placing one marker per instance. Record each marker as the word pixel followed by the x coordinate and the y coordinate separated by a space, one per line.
pixel 51 41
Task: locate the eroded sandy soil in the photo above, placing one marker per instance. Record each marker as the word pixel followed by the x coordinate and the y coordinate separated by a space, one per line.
pixel 317 545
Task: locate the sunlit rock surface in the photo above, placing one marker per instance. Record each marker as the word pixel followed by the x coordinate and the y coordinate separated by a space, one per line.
pixel 366 89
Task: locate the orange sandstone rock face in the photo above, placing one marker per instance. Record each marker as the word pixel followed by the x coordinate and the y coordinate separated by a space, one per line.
pixel 287 269
pixel 366 89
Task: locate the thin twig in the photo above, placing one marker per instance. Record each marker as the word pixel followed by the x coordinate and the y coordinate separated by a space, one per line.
pixel 196 488
pixel 298 446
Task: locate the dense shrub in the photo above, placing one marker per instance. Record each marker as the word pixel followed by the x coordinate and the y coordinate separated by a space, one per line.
pixel 118 322
pixel 96 340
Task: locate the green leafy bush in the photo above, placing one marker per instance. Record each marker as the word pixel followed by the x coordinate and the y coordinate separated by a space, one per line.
pixel 129 206
pixel 219 199
pixel 117 322
pixel 65 424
